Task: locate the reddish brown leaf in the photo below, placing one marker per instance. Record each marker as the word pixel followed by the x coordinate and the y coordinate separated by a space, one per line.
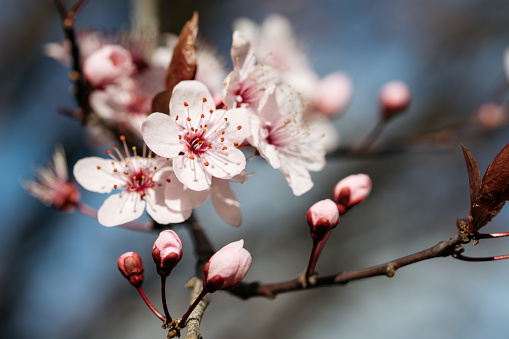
pixel 474 175
pixel 183 63
pixel 161 102
pixel 495 183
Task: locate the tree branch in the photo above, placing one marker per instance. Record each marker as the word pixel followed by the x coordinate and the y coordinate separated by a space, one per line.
pixel 256 289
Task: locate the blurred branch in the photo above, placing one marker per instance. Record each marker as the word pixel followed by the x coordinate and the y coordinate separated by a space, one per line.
pixel 202 246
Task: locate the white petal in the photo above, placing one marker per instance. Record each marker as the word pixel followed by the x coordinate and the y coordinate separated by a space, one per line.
pixel 180 198
pixel 160 133
pixel 191 92
pixel 297 177
pixel 96 174
pixel 159 211
pixel 191 173
pixel 120 208
pixel 225 202
pixel 225 164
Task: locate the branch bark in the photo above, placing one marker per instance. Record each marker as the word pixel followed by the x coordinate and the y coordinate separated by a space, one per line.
pixel 193 323
pixel 256 289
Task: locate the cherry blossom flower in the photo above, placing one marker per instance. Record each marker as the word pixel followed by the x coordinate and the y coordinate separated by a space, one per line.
pixel 53 186
pixel 131 267
pixel 227 267
pixel 286 140
pixel 246 84
pixel 394 99
pixel 108 65
pixel 201 140
pixel 142 182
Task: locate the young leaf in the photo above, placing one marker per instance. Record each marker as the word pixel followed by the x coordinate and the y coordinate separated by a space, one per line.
pixel 474 175
pixel 495 183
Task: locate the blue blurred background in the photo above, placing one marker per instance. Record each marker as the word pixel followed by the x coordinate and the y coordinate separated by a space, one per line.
pixel 58 275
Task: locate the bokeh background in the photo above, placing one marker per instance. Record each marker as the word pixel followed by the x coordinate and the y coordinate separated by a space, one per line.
pixel 58 275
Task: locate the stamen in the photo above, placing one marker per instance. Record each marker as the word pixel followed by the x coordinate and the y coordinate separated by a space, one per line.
pixel 185 103
pixel 98 167
pixel 206 163
pixel 204 99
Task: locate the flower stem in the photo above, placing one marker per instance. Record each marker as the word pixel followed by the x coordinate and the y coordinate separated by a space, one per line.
pixel 152 308
pixel 163 296
pixel 493 235
pixel 183 321
pixel 86 210
pixel 371 138
pixel 480 259
pixel 315 254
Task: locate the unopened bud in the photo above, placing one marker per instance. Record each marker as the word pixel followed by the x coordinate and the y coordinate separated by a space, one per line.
pixel 131 267
pixel 491 115
pixel 167 252
pixel 107 65
pixel 351 191
pixel 322 217
pixel 227 267
pixel 394 99
pixel 333 93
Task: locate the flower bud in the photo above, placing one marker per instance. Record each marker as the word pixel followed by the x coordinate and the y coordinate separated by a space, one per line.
pixel 394 99
pixel 351 191
pixel 322 217
pixel 107 65
pixel 167 252
pixel 227 267
pixel 491 115
pixel 333 93
pixel 131 266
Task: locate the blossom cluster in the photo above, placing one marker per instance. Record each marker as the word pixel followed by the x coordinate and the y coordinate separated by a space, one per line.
pixel 275 104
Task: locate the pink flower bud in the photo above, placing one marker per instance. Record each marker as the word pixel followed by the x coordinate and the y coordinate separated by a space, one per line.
pixel 351 191
pixel 322 217
pixel 131 267
pixel 107 65
pixel 394 99
pixel 491 115
pixel 333 93
pixel 167 252
pixel 227 267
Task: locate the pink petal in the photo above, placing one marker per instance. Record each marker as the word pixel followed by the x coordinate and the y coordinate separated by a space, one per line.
pixel 120 208
pixel 160 133
pixel 225 202
pixel 96 174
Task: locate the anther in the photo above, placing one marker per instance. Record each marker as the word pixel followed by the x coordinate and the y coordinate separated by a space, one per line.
pixel 177 117
pixel 239 127
pixel 115 186
pixel 185 103
pixel 204 99
pixel 224 148
pixel 203 115
pixel 206 163
pixel 108 152
pixel 225 107
pixel 98 167
pixel 122 138
pixel 168 180
pixel 191 157
pixel 188 119
pixel 236 144
pixel 211 111
pixel 225 119
pixel 222 139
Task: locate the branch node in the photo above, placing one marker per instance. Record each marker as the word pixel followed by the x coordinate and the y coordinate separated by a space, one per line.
pixel 390 270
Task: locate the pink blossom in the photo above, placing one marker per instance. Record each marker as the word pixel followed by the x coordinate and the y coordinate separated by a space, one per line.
pixel 167 252
pixel 491 115
pixel 107 65
pixel 131 267
pixel 394 98
pixel 201 140
pixel 52 186
pixel 351 191
pixel 286 140
pixel 246 84
pixel 227 267
pixel 322 217
pixel 332 93
pixel 142 181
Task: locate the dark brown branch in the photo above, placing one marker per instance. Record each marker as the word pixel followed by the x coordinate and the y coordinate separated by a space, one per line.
pixel 202 245
pixel 255 289
pixel 81 87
